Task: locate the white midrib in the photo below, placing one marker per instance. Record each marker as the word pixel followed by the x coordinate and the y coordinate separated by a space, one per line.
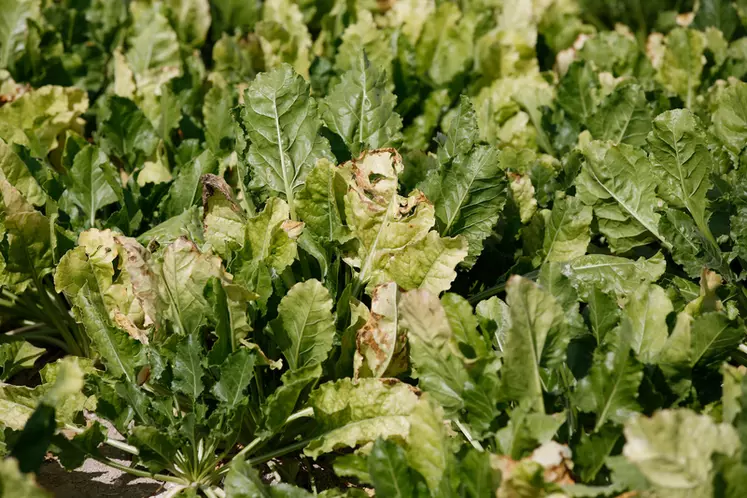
pixel 284 173
pixel 555 236
pixel 536 354
pixel 461 201
pixel 364 97
pixel 628 208
pixel 603 416
pixel 300 333
pixel 365 267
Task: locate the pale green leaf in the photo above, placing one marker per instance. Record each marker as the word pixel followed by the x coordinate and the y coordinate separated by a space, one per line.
pixel 730 117
pixel 681 66
pixel 664 450
pixel 567 230
pixel 184 272
pixel 14 170
pixel 356 414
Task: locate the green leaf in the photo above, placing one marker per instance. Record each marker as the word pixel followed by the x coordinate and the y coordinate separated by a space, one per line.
pixel 38 117
pixel 714 337
pixel 356 414
pixel 125 132
pixel 189 368
pixel 622 117
pixel 185 190
pixel 611 274
pixel 470 195
pixel 220 131
pixel 282 402
pixel 89 187
pixel 645 318
pixel 719 14
pixel 592 451
pixel 537 338
pixel 360 109
pixel 321 202
pixel 681 66
pixel 680 155
pixel 280 120
pixel 567 231
pixel 157 450
pixel 618 182
pixel 243 481
pixel 16 356
pixel 462 133
pixel 603 313
pixel 236 372
pixel 730 117
pixel 611 389
pixel 578 92
pixel 664 450
pixel 305 327
pixel 389 471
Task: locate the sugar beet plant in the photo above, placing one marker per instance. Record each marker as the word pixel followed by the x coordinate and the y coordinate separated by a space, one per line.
pixel 412 248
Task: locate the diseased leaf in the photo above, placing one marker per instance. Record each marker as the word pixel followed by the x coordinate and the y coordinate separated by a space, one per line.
pixel 381 347
pixel 356 414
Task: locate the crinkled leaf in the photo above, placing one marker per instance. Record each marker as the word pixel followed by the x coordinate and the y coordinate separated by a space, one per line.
pixel 618 182
pixel 280 120
pixel 611 274
pixel 360 109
